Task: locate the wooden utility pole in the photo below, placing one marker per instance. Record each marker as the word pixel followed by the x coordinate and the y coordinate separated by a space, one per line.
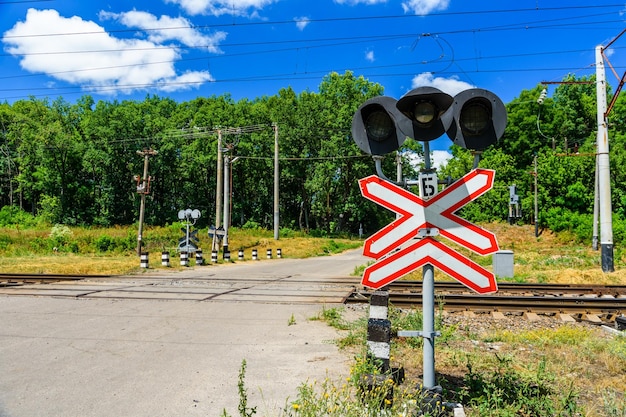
pixel 143 188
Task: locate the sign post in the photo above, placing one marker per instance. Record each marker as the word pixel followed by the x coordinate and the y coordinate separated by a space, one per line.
pixel 409 243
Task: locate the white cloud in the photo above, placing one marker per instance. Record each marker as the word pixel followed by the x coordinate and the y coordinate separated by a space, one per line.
pixel 92 58
pixel 167 28
pixel 423 7
pixel 451 85
pixel 186 81
pixel 302 22
pixel 369 55
pixel 438 159
pixel 221 7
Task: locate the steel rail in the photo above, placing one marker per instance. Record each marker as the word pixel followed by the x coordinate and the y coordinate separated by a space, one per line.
pixel 513 287
pixel 538 298
pixel 9 280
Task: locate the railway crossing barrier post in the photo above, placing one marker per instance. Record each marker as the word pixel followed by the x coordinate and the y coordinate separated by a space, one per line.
pixel 226 254
pixel 165 258
pixel 279 253
pixel 199 259
pixel 214 256
pixel 255 255
pixel 269 253
pixel 184 259
pixel 379 348
pixel 144 260
pixel 240 255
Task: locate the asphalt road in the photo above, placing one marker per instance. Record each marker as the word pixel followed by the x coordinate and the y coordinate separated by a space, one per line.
pixel 172 344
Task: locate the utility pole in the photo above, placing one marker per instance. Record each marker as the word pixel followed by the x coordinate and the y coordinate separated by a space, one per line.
pixel 143 188
pixel 536 198
pixel 219 187
pixel 604 170
pixel 276 184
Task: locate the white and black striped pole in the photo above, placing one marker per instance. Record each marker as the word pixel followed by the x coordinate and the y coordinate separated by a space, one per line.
pixel 144 260
pixel 379 330
pixel 240 255
pixel 184 259
pixel 165 258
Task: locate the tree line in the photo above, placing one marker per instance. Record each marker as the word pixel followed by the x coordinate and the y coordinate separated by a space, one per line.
pixel 75 164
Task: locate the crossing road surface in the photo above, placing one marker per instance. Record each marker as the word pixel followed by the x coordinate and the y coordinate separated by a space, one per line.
pixel 172 343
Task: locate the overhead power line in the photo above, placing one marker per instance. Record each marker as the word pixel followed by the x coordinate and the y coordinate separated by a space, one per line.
pixel 336 19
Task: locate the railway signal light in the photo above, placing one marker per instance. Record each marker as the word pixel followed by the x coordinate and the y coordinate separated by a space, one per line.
pixel 424 106
pixel 378 127
pixel 476 119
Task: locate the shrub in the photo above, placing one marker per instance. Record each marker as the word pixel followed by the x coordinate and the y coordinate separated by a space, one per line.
pixel 104 243
pixel 14 216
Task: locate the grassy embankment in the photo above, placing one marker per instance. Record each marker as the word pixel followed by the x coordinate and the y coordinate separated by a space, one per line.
pixel 112 251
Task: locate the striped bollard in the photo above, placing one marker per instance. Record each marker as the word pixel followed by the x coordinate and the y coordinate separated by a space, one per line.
pixel 144 259
pixel 184 259
pixel 240 255
pixel 379 347
pixel 379 330
pixel 214 256
pixel 226 255
pixel 279 253
pixel 165 259
pixel 199 259
pixel 255 255
pixel 269 254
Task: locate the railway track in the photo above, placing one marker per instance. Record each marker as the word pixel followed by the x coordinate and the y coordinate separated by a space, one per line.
pixel 574 299
pixel 516 298
pixel 14 280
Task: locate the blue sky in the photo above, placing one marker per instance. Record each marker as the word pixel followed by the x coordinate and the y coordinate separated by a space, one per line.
pixel 117 50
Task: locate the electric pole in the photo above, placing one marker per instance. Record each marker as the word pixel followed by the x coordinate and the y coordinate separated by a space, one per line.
pixel 143 188
pixel 603 166
pixel 276 184
pixel 219 186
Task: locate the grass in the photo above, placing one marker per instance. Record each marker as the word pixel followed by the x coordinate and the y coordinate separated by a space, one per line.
pixel 496 370
pixel 112 251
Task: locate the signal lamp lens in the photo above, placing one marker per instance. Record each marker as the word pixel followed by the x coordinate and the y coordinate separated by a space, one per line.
pixel 425 112
pixel 475 116
pixel 379 126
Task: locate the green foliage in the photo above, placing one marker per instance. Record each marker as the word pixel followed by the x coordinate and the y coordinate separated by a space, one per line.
pixel 60 235
pixel 507 392
pixel 333 317
pixel 13 216
pixel 244 410
pixel 73 163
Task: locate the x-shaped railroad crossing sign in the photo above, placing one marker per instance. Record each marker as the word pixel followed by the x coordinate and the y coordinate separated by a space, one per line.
pixel 421 218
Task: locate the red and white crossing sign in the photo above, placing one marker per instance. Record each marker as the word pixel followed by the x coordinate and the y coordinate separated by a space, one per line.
pixel 436 213
pixel 430 251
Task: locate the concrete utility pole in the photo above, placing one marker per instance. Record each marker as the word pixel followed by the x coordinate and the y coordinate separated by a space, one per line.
pixel 536 202
pixel 219 186
pixel 603 167
pixel 276 184
pixel 143 188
